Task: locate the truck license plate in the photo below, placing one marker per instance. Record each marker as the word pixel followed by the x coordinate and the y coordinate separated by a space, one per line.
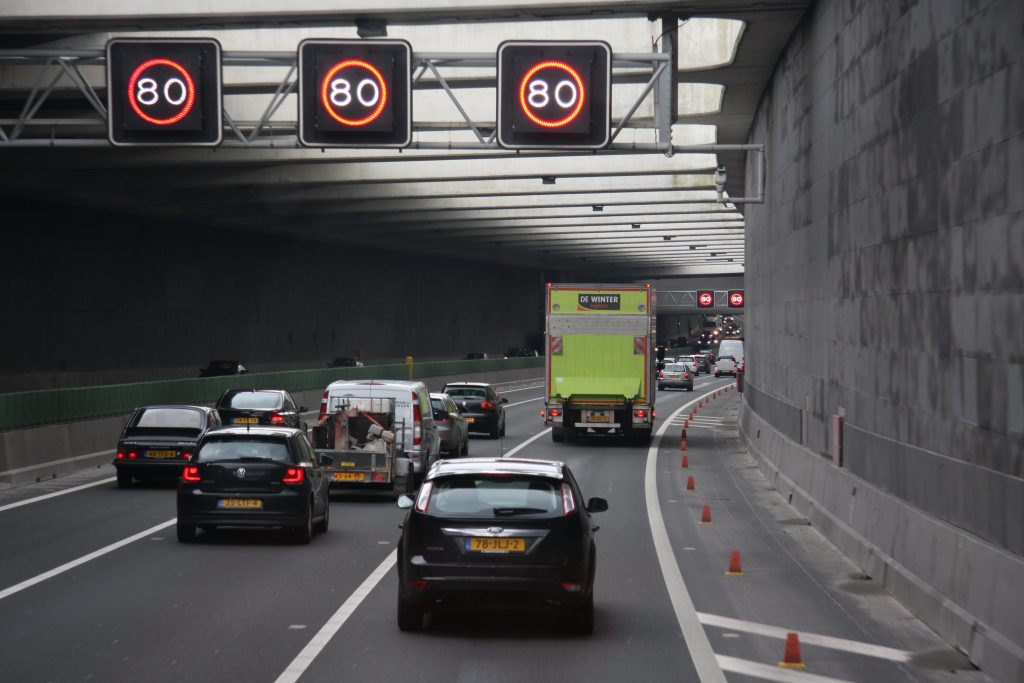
pixel 598 416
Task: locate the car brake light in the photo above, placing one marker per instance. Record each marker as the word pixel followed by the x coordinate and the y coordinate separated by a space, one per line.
pixel 417 417
pixel 417 584
pixel 120 456
pixel 423 499
pixel 132 456
pixel 486 405
pixel 191 474
pixel 661 374
pixel 568 502
pixel 294 475
pixel 572 587
pixel 276 419
pixel 686 375
pixel 323 405
pixel 187 456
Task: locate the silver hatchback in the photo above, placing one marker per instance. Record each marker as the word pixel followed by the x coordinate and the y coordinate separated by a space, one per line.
pixel 451 426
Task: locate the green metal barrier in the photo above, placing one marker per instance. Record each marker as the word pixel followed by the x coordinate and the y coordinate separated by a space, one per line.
pixel 49 406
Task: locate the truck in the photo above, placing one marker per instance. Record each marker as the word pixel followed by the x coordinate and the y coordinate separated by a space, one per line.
pixel 601 368
pixel 361 435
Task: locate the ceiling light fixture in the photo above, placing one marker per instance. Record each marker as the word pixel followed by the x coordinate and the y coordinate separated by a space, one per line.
pixel 636 226
pixel 598 207
pixel 666 237
pixel 548 179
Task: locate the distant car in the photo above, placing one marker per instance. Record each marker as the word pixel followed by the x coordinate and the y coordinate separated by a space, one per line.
pixel 695 362
pixel 498 531
pixel 520 352
pixel 475 355
pixel 157 441
pixel 271 407
pixel 726 365
pixel 345 362
pixel 676 376
pixel 480 404
pixel 451 425
pixel 254 477
pixel 222 368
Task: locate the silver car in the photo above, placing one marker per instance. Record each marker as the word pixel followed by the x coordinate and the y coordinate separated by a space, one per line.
pixel 676 376
pixel 451 426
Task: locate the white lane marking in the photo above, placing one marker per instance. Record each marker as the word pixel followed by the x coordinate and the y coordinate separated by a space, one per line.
pixel 529 400
pixel 10 506
pixel 525 443
pixel 853 646
pixel 327 631
pixel 708 668
pixel 28 583
pixel 771 673
pixel 62 461
pixel 509 391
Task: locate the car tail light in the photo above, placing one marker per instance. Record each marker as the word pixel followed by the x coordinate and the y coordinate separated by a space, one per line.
pixel 661 374
pixel 423 499
pixel 323 405
pixel 568 502
pixel 191 474
pixel 572 587
pixel 686 375
pixel 417 417
pixel 120 456
pixel 487 404
pixel 294 475
pixel 277 419
pixel 417 584
pixel 132 455
pixel 187 456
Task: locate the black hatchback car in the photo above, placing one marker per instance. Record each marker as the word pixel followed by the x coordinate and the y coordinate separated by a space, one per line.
pixel 273 407
pixel 157 441
pixel 254 477
pixel 480 404
pixel 498 531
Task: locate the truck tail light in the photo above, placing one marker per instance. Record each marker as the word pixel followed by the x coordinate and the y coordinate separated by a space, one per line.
pixel 294 475
pixel 640 413
pixel 191 474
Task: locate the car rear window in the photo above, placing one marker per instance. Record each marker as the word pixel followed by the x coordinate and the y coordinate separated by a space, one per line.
pixel 498 497
pixel 466 392
pixel 675 368
pixel 247 449
pixel 253 400
pixel 177 418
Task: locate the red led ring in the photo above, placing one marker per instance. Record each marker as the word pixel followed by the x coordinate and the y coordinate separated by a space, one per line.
pixel 554 65
pixel 191 94
pixel 327 102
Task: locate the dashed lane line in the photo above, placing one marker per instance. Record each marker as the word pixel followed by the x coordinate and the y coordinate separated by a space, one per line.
pixel 27 501
pixel 526 443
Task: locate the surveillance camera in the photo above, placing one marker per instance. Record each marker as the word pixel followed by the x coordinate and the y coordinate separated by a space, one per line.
pixel 720 179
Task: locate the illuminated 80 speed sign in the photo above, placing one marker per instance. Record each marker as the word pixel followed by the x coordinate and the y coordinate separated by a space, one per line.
pixel 554 95
pixel 164 91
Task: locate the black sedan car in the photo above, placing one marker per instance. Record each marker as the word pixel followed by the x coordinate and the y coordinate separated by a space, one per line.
pixel 498 531
pixel 254 477
pixel 157 441
pixel 273 407
pixel 480 404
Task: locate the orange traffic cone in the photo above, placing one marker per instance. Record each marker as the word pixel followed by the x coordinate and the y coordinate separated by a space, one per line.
pixel 705 515
pixel 690 485
pixel 686 462
pixel 682 444
pixel 791 660
pixel 735 569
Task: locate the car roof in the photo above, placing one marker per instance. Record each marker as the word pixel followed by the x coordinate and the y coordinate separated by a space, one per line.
pixel 394 383
pixel 467 384
pixel 282 432
pixel 203 409
pixel 544 468
pixel 239 390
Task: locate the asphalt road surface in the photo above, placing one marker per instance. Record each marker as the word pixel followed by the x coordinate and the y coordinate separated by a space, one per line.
pixel 94 586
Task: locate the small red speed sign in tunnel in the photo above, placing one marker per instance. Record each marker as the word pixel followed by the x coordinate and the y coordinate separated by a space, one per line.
pixel 736 298
pixel 705 298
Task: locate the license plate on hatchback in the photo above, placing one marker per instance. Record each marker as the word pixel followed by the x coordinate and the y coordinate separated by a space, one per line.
pixel 246 420
pixel 161 454
pixel 470 419
pixel 496 545
pixel 240 504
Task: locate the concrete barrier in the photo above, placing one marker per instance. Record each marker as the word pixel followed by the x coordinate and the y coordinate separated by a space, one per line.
pixel 31 455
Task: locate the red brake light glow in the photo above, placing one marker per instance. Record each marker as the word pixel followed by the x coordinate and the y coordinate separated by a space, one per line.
pixel 641 413
pixel 191 474
pixel 120 456
pixel 132 455
pixel 294 475
pixel 423 499
pixel 276 419
pixel 417 584
pixel 568 502
pixel 486 404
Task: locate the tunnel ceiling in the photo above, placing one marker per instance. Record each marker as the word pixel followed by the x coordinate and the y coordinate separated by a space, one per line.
pixel 613 212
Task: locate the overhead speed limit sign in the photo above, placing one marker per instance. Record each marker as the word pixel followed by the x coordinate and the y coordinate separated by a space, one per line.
pixel 705 299
pixel 736 298
pixel 164 91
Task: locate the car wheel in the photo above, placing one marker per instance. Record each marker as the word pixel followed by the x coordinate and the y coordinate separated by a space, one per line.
pixel 718 374
pixel 304 533
pixel 186 532
pixel 410 615
pixel 321 526
pixel 661 387
pixel 581 619
pixel 124 479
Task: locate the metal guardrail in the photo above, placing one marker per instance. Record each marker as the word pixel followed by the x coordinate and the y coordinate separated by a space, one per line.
pixel 50 406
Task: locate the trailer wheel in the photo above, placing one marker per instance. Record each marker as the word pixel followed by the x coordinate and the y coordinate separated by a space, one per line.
pixel 557 435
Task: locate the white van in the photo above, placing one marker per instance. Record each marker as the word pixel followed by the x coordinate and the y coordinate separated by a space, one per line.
pixel 731 347
pixel 421 444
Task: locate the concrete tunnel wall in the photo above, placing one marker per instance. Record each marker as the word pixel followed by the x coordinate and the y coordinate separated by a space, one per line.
pixel 91 297
pixel 885 278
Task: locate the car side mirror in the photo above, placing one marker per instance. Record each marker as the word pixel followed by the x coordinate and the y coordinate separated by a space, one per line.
pixel 405 502
pixel 504 400
pixel 597 505
pixel 325 460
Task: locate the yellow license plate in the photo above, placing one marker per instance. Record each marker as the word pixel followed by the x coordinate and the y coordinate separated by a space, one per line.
pixel 599 418
pixel 161 454
pixel 240 504
pixel 246 420
pixel 470 419
pixel 496 545
pixel 346 464
pixel 349 476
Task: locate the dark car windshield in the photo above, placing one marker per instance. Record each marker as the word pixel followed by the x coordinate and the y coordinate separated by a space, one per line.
pixel 483 496
pixel 168 421
pixel 252 400
pixel 247 449
pixel 468 392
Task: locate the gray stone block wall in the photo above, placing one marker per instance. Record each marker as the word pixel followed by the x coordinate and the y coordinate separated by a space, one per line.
pixel 885 271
